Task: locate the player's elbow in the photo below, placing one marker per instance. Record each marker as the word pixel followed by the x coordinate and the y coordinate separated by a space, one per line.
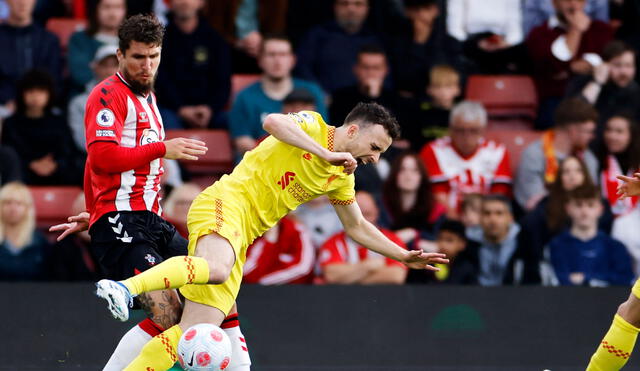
pixel 270 123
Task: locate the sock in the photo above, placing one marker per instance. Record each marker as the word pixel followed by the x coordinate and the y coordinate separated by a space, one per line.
pixel 160 353
pixel 131 344
pixel 615 349
pixel 172 273
pixel 240 360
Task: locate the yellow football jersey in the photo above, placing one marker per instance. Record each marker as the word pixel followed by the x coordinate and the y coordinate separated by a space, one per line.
pixel 275 178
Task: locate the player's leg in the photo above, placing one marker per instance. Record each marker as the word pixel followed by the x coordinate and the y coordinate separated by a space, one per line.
pixel 160 353
pixel 240 360
pixel 615 348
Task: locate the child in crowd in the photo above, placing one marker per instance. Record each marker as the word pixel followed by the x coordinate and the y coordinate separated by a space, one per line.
pixel 463 255
pixel 584 255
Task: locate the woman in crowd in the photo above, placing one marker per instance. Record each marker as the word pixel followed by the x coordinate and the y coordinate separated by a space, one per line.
pixel 618 152
pixel 104 18
pixel 549 218
pixel 22 249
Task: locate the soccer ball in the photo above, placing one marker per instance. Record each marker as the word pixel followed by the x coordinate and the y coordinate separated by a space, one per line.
pixel 204 347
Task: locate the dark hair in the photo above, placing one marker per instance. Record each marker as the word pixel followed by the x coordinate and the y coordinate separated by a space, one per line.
pixel 365 114
pixel 574 111
pixel 299 95
pixel 371 49
pixel 630 158
pixel 34 79
pixel 586 192
pixel 615 49
pixel 419 3
pixel 453 226
pixel 273 36
pixel 92 16
pixel 555 211
pixel 419 214
pixel 143 28
pixel 497 197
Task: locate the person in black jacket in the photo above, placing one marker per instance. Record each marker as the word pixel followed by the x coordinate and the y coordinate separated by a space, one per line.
pixel 194 78
pixel 25 46
pixel 40 136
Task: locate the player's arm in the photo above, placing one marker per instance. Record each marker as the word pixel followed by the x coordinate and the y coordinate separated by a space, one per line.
pixel 367 235
pixel 629 187
pixel 284 128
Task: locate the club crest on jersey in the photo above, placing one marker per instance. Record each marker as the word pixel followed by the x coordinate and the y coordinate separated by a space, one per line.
pixel 149 136
pixel 142 117
pixel 286 179
pixel 105 117
pixel 151 259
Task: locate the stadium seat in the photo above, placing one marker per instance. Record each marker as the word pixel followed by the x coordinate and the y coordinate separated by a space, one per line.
pixel 53 203
pixel 515 141
pixel 218 159
pixel 64 28
pixel 504 96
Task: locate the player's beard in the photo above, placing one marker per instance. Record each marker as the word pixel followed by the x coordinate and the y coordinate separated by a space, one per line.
pixel 138 87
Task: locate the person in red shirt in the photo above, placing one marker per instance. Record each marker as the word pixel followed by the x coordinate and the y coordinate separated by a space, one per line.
pixel 284 254
pixel 465 162
pixel 343 261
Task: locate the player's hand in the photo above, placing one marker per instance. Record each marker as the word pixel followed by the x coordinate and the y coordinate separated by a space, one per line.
pixel 342 159
pixel 418 259
pixel 629 187
pixel 77 223
pixel 184 149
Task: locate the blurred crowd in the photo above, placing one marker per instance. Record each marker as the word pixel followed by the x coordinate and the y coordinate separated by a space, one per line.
pixel 547 215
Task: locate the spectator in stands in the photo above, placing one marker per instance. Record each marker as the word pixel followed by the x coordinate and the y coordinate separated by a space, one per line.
pixel 425 44
pixel 618 152
pixel 549 217
pixel 575 123
pixel 343 261
pixel 320 220
pixel 625 229
pixel 409 202
pixel 23 250
pixel 426 117
pixel 41 137
pixel 583 255
pixel 71 258
pixel 568 43
pixel 176 207
pixel 257 100
pixel 471 209
pixel 10 170
pixel 328 52
pixel 104 17
pixel 537 11
pixel 491 32
pixel 497 236
pixel 612 87
pixel 370 71
pixel 465 162
pixel 25 46
pixel 462 254
pixel 104 64
pixel 284 254
pixel 299 100
pixel 194 78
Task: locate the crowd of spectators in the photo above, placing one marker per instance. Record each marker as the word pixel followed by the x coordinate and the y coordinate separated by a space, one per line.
pixel 551 218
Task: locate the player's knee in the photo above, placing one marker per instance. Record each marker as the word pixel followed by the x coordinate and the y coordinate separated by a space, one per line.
pixel 630 311
pixel 219 272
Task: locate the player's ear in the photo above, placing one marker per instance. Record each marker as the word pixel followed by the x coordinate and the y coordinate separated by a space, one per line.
pixel 119 55
pixel 352 131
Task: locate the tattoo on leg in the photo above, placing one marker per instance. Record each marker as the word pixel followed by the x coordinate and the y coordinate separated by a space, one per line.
pixel 165 310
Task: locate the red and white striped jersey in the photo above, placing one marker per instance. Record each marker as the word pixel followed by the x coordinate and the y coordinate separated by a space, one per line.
pixel 287 256
pixel 341 249
pixel 456 175
pixel 114 113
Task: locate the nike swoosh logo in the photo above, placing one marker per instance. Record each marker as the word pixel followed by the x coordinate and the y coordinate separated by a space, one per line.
pixel 190 363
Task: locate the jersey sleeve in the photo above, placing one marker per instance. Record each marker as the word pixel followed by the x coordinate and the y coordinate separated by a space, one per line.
pixel 104 117
pixel 311 122
pixel 345 193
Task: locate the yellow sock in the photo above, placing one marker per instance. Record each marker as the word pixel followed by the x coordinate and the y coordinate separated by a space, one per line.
pixel 159 354
pixel 172 273
pixel 615 349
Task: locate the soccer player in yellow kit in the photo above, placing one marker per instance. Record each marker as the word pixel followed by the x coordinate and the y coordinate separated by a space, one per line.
pixel 302 159
pixel 615 348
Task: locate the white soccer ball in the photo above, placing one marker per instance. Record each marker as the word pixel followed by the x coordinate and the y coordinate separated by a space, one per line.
pixel 204 347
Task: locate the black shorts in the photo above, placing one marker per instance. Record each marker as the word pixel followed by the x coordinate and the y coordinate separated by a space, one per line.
pixel 129 242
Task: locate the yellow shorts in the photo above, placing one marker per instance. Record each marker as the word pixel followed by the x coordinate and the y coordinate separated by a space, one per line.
pixel 212 214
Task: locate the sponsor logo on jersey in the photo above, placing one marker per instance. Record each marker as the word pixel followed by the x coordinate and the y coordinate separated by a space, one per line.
pixel 105 133
pixel 142 117
pixel 149 136
pixel 105 117
pixel 286 179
